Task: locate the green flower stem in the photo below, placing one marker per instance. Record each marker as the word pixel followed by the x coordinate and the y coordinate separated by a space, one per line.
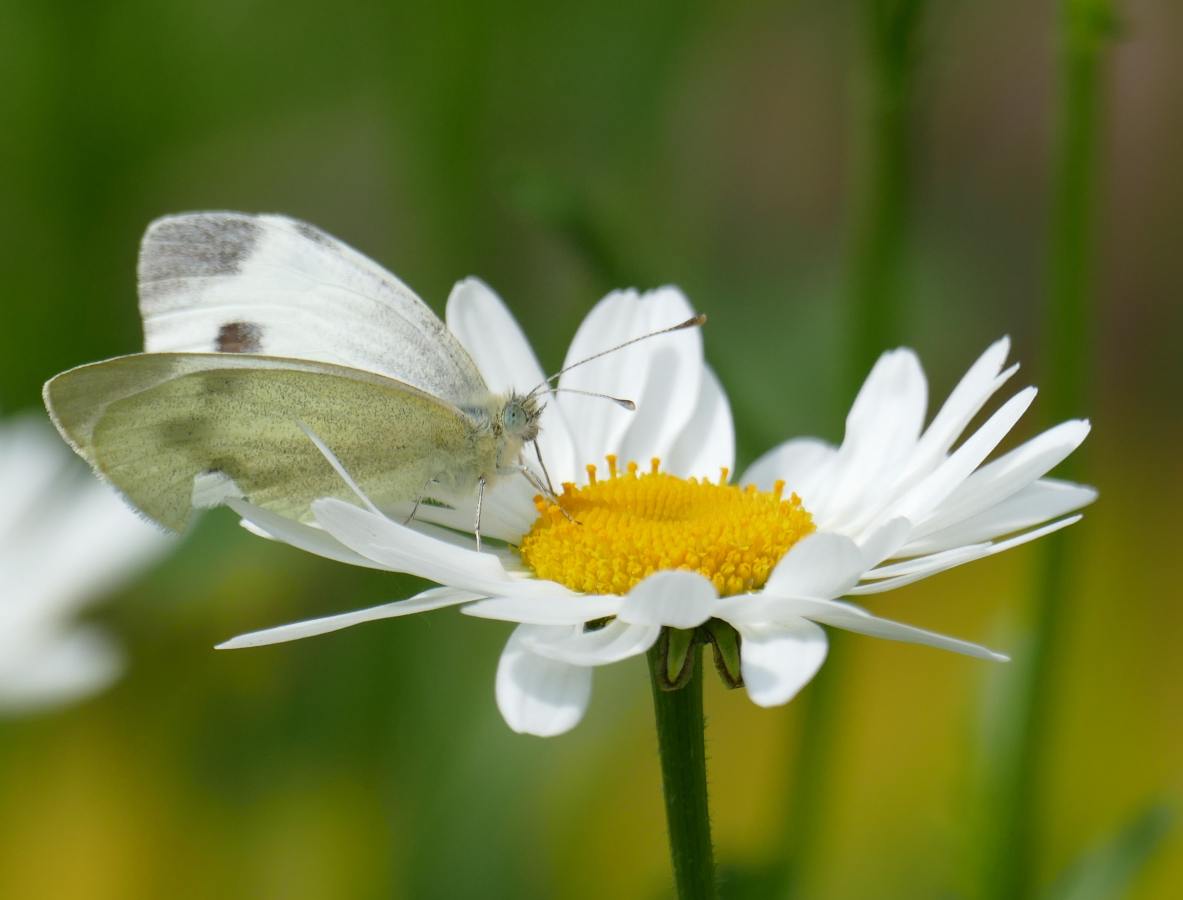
pixel 684 777
pixel 1086 26
pixel 874 301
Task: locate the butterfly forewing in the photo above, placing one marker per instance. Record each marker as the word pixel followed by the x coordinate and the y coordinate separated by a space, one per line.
pixel 268 285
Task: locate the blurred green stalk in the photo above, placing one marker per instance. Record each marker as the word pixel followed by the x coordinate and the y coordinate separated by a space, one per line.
pixel 1013 847
pixel 682 747
pixel 874 309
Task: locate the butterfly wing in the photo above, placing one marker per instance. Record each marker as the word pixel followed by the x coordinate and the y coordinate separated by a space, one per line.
pixel 268 285
pixel 164 427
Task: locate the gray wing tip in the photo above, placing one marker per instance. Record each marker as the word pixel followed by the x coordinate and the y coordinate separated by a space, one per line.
pixel 172 226
pixel 210 243
pixel 196 245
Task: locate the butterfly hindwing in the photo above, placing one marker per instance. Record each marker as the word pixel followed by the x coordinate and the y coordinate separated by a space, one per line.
pixel 159 425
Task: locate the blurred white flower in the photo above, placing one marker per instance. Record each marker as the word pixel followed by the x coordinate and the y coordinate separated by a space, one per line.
pixel 671 543
pixel 66 540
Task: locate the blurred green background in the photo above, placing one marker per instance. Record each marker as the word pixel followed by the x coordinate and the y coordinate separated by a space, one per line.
pixel 559 151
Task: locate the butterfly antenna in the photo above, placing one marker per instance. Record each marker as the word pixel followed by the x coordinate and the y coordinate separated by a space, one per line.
pixel 693 322
pixel 619 401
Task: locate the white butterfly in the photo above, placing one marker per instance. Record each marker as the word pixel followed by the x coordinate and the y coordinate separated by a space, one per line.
pixel 261 332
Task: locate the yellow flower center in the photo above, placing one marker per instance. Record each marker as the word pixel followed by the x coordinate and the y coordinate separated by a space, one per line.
pixel 607 536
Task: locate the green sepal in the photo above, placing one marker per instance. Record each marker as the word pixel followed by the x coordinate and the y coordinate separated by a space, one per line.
pixel 677 662
pixel 725 640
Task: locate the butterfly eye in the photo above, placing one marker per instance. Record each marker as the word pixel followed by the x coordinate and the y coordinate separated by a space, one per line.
pixel 515 416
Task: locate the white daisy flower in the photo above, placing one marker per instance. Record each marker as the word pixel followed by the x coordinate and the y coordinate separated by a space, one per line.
pixel 66 540
pixel 671 547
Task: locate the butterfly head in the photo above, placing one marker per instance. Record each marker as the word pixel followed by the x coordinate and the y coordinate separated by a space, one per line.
pixel 519 417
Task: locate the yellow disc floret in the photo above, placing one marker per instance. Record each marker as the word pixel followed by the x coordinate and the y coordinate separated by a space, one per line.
pixel 607 536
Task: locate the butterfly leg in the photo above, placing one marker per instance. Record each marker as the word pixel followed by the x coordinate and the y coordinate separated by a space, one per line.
pixel 480 499
pixel 549 484
pixel 545 489
pixel 418 500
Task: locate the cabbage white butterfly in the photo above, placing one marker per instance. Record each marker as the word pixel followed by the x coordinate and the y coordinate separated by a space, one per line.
pixel 260 331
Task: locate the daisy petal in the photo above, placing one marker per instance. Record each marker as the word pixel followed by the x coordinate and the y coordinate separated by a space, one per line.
pixel 925 566
pixel 540 696
pixel 402 549
pixel 1007 475
pixel 965 401
pixel 559 609
pixel 56 669
pixel 496 343
pixel 822 564
pixel 488 331
pixel 31 465
pixel 303 537
pixel 881 432
pixel 677 599
pixel 803 464
pixel 885 541
pixel 934 489
pixel 662 375
pixel 507 513
pixel 849 617
pixel 778 660
pixel 707 443
pixel 1038 502
pixel 933 562
pixel 436 598
pixel 614 642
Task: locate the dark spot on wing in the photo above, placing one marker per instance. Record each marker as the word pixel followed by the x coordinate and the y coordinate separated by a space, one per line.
pixel 198 245
pixel 239 337
pixel 313 234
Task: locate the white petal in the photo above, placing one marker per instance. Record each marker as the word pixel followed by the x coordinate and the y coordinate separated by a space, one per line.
pixel 778 660
pixel 965 401
pixel 402 549
pixel 940 562
pixel 64 667
pixel 32 460
pixel 661 375
pixel 614 642
pixel 884 541
pixel 822 564
pixel 559 609
pixel 495 341
pixel 950 474
pixel 1006 476
pixel 511 497
pixel 1038 502
pixel 504 516
pixel 436 598
pixel 803 464
pixel 301 536
pixel 890 405
pixel 852 618
pixel 674 598
pixel 707 444
pixel 492 337
pixel 95 542
pixel 933 562
pixel 540 696
pixel 881 432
